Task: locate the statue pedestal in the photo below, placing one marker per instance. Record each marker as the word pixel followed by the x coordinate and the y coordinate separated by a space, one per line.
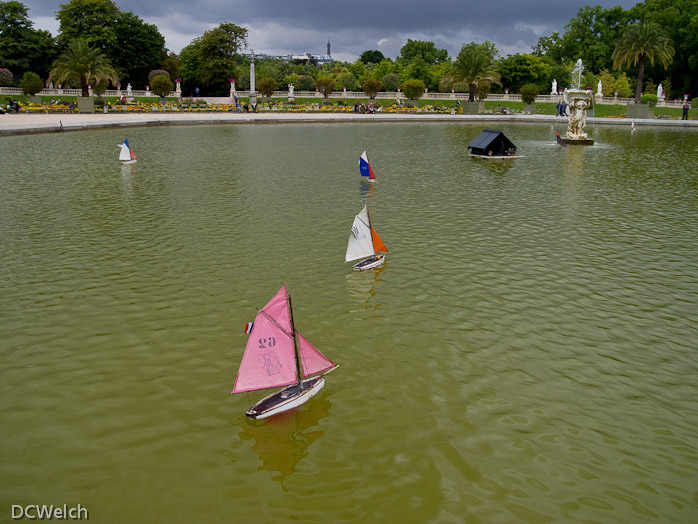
pixel 578 141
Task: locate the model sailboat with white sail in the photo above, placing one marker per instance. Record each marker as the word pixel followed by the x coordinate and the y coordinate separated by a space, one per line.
pixel 126 155
pixel 365 242
pixel 278 355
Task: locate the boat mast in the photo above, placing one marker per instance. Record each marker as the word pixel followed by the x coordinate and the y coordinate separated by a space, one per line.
pixel 370 231
pixel 295 341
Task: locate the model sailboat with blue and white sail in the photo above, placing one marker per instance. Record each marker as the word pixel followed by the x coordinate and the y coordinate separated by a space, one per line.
pixel 365 167
pixel 126 155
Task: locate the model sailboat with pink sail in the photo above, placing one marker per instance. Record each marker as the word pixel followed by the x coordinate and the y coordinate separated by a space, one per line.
pixel 126 155
pixel 278 355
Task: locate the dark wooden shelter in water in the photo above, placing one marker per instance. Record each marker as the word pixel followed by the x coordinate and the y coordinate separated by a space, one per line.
pixel 492 144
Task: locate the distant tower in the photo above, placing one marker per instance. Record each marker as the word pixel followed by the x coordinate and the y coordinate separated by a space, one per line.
pixel 328 48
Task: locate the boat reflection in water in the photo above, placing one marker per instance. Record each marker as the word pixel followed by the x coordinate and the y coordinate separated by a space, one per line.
pixel 362 289
pixel 283 440
pixel 367 191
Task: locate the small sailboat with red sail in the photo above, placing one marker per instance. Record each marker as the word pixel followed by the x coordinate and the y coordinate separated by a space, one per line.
pixel 126 155
pixel 365 167
pixel 365 242
pixel 277 355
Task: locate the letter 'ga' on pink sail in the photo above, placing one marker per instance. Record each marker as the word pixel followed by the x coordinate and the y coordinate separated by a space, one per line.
pixel 313 361
pixel 269 359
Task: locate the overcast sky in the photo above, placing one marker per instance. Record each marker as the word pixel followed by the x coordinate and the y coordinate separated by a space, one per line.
pixel 285 27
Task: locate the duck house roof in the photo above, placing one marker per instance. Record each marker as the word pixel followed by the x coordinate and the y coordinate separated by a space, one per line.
pixel 490 143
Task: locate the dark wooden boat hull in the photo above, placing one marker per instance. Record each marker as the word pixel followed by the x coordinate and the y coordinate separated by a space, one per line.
pixel 369 263
pixel 288 398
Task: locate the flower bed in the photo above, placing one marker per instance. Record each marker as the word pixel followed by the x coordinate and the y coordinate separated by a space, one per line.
pixel 172 107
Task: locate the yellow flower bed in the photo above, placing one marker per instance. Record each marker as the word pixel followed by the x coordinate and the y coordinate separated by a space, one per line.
pixel 170 107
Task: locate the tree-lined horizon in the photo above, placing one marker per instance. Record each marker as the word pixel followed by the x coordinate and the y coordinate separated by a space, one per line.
pixel 600 37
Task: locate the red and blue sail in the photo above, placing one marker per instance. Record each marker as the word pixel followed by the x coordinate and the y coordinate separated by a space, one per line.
pixel 365 167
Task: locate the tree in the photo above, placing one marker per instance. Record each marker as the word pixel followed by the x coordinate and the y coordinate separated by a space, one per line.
pixel 100 87
pixel 139 49
pixel 371 57
pixel 607 82
pixel 133 47
pixel 475 64
pixel 592 35
pixel 550 47
pixel 91 20
pixel 347 80
pixel 520 69
pixel 646 40
pixel 161 85
pixel 413 89
pixel 529 92
pixel 267 86
pixel 218 49
pixel 84 64
pixel 6 77
pixel 371 87
pixel 679 18
pixel 189 67
pixel 157 72
pixel 390 82
pixel 427 51
pixel 23 48
pixel 170 63
pixel 325 85
pixel 306 83
pixel 622 85
pixel 419 70
pixel 31 83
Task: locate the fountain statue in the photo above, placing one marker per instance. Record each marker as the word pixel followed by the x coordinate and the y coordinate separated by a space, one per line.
pixel 578 68
pixel 578 100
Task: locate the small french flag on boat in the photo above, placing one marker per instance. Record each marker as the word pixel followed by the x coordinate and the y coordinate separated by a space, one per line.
pixel 248 327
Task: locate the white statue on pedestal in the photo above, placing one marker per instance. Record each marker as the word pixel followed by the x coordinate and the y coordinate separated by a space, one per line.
pixel 577 119
pixel 660 91
pixel 598 89
pixel 129 91
pixel 290 90
pixel 553 91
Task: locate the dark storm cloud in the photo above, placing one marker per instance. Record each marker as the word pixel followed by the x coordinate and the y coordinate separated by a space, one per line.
pixel 281 26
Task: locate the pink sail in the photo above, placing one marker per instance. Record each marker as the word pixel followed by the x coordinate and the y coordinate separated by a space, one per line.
pixel 312 360
pixel 269 359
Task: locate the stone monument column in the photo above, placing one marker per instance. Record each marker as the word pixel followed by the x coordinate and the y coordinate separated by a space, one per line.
pixel 253 92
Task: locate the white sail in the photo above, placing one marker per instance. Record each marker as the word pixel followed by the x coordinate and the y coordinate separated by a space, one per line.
pixel 360 242
pixel 124 154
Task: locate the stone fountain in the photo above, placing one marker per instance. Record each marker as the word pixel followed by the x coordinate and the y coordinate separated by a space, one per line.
pixel 578 100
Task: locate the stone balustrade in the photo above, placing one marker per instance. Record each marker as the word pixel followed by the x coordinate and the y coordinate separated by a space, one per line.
pixel 392 95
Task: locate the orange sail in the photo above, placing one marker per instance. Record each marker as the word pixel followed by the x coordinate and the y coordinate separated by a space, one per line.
pixel 378 245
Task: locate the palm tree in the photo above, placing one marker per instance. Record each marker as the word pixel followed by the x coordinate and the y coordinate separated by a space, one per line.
pixel 82 63
pixel 640 42
pixel 473 66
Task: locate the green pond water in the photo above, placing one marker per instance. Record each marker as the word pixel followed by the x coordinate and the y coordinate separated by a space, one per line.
pixel 528 353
